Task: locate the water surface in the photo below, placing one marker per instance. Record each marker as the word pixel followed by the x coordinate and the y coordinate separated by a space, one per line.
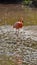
pixel 22 43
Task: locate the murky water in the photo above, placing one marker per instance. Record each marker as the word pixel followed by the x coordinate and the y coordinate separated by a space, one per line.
pixel 22 43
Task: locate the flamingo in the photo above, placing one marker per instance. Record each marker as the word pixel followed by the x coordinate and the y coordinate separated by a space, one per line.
pixel 18 24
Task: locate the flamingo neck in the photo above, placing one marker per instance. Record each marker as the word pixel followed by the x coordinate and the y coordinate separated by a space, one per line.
pixel 20 21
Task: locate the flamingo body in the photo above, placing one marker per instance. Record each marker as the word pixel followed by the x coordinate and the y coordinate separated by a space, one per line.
pixel 18 25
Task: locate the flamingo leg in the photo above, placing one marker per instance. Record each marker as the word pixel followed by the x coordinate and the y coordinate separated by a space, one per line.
pixel 16 32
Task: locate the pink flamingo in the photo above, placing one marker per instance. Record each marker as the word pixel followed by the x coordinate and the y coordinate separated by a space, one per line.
pixel 18 24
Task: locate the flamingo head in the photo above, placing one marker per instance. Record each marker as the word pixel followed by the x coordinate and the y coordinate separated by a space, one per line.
pixel 21 19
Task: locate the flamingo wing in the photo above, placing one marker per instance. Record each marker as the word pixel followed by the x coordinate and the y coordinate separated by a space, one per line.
pixel 18 25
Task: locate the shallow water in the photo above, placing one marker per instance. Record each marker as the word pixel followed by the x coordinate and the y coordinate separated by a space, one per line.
pixel 21 43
